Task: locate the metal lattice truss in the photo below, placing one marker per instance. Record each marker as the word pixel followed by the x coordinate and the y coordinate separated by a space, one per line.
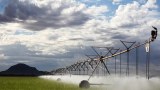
pixel 98 62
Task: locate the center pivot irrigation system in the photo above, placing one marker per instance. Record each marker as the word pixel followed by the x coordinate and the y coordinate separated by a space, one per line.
pixel 99 64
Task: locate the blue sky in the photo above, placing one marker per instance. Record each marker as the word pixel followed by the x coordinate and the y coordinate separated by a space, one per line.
pixel 3 3
pixel 49 34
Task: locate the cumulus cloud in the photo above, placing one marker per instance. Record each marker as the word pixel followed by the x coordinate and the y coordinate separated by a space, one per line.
pixel 46 33
pixel 96 11
pixel 55 14
pixel 134 15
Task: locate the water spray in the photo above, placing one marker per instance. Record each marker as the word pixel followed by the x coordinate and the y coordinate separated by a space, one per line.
pixel 92 63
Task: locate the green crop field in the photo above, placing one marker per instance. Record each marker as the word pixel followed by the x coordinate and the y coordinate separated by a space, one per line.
pixel 34 83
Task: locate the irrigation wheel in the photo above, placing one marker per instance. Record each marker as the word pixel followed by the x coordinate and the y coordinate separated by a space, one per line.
pixel 84 84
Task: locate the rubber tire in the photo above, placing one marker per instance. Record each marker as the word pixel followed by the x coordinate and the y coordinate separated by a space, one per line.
pixel 84 84
pixel 58 79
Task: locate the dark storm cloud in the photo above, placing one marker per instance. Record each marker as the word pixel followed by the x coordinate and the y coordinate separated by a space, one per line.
pixel 82 39
pixel 24 10
pixel 119 36
pixel 16 49
pixel 18 53
pixel 129 25
pixel 4 19
pixel 57 22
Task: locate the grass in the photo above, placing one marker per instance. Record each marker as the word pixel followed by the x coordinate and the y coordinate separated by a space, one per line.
pixel 34 83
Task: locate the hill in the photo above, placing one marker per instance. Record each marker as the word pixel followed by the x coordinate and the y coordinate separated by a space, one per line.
pixel 22 70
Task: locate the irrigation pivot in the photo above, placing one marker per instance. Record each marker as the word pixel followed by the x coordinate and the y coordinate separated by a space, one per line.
pixel 99 65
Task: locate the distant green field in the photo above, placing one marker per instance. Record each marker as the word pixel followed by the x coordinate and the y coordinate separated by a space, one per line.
pixel 33 83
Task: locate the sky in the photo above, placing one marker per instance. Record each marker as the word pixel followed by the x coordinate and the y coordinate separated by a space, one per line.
pixel 49 34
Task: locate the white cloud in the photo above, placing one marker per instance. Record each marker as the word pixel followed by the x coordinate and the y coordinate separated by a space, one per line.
pixel 53 35
pixel 150 4
pixel 134 15
pixel 52 41
pixel 96 10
